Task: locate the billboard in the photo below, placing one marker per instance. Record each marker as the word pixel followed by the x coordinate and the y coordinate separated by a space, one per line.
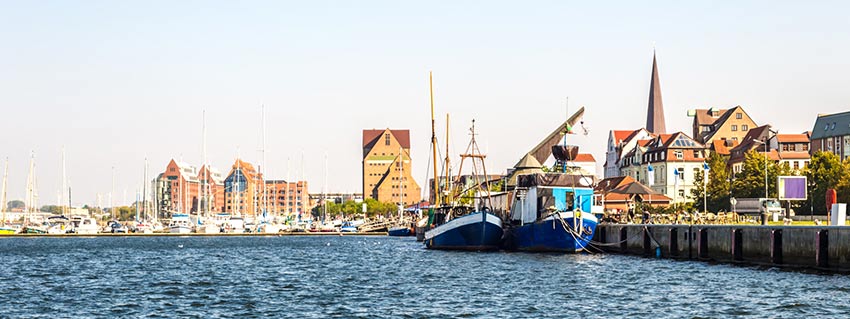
pixel 792 187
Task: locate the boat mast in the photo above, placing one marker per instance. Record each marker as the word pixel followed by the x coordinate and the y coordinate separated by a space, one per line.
pixel 64 185
pixel 3 194
pixel 436 182
pixel 145 189
pixel 400 184
pixel 448 169
pixel 112 195
pixel 30 189
pixel 205 184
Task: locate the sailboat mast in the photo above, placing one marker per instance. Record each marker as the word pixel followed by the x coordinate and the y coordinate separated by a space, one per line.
pixel 448 167
pixel 436 185
pixel 3 194
pixel 112 194
pixel 205 183
pixel 145 189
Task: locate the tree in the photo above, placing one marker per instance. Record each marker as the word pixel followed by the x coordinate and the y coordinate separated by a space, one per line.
pixel 750 182
pixel 718 188
pixel 826 171
pixel 15 204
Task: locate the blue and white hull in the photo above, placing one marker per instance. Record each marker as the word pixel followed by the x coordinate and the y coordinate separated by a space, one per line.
pixel 560 232
pixel 475 231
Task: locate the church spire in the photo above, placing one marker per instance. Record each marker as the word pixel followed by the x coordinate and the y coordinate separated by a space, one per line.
pixel 655 109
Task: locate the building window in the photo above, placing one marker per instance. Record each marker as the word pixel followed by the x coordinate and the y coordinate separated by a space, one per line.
pixel 796 165
pixel 745 127
pixel 806 147
pixel 387 139
pixel 678 154
pixel 706 128
pixel 681 173
pixel 734 128
pixel 739 115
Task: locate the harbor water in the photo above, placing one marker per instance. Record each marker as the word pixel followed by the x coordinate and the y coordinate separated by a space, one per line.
pixel 383 277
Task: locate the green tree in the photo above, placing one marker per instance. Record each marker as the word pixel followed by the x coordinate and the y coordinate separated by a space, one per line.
pixel 53 209
pixel 826 171
pixel 750 182
pixel 717 191
pixel 15 204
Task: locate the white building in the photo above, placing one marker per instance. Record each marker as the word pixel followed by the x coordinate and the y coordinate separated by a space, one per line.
pixel 667 153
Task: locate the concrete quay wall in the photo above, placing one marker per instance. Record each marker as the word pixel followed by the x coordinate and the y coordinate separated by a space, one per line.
pixel 821 247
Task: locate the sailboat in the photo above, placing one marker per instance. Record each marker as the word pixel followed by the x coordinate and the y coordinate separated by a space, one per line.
pixel 455 228
pixel 4 229
pixel 32 202
pixel 402 227
pixel 552 211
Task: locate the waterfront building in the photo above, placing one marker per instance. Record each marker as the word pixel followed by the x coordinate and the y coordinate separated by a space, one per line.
pixel 676 158
pixel 246 191
pixel 180 186
pixel 610 199
pixel 387 172
pixel 713 124
pixel 831 133
pixel 288 197
pixel 791 149
pixel 620 143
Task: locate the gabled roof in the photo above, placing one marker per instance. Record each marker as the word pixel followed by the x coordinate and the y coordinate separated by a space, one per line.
pixel 528 161
pixel 584 158
pixel 703 116
pixel 748 142
pixel 621 135
pixel 370 137
pixel 829 125
pixel 792 138
pixel 611 183
pixel 723 147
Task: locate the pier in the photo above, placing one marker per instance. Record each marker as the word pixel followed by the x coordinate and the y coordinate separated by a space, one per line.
pixel 820 248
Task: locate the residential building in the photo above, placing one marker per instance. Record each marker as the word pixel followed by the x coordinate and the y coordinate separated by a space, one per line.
pixel 714 124
pixel 619 144
pixel 791 149
pixel 673 157
pixel 610 199
pixel 387 172
pixel 181 185
pixel 832 134
pixel 248 193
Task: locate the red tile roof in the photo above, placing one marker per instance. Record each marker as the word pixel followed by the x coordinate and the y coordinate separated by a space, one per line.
pixel 584 158
pixel 793 138
pixel 619 136
pixel 723 147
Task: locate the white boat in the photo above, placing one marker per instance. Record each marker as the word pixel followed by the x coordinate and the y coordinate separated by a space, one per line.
pixel 268 228
pixel 236 225
pixel 84 225
pixel 180 224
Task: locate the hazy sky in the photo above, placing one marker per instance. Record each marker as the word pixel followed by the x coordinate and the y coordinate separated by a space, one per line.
pixel 116 81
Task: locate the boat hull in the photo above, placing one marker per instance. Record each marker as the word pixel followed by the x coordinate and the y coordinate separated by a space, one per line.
pixel 400 232
pixel 476 231
pixel 179 230
pixel 7 231
pixel 550 235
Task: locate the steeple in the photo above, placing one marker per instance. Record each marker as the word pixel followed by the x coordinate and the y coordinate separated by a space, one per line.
pixel 655 110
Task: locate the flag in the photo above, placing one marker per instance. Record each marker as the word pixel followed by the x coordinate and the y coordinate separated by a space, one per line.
pixel 705 170
pixel 650 175
pixel 676 177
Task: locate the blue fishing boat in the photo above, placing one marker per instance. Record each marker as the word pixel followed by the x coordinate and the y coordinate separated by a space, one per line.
pixel 552 213
pixel 474 231
pixel 400 231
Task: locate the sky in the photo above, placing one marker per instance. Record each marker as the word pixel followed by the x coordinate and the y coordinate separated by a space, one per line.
pixel 118 82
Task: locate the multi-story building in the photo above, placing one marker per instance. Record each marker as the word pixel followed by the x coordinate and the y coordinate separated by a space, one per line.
pixel 621 143
pixel 672 156
pixel 832 134
pixel 180 187
pixel 387 173
pixel 714 124
pixel 248 193
pixel 792 149
pixel 288 198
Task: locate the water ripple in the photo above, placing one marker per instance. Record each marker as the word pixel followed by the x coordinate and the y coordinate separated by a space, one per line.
pixel 382 277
